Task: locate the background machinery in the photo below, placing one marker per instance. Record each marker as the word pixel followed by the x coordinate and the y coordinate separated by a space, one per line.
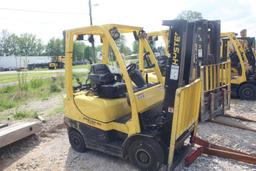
pixel 120 114
pixel 58 62
pixel 243 74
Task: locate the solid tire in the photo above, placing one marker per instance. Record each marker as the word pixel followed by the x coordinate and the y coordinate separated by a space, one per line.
pixel 146 154
pixel 247 91
pixel 76 140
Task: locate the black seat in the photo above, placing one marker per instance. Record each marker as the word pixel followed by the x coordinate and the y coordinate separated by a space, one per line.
pixel 105 83
pixel 162 62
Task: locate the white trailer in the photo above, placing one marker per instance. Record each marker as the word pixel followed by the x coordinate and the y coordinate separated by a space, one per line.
pixel 15 62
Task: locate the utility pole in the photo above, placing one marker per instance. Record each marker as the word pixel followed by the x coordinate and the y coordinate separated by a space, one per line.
pixel 93 46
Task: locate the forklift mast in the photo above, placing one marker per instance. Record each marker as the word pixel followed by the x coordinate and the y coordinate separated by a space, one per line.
pixel 191 45
pixel 206 46
pixel 175 66
pixel 197 54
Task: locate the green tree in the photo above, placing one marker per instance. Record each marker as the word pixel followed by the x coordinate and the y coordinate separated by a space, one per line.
pixel 78 52
pixel 190 15
pixel 121 44
pixel 29 45
pixel 98 49
pixel 55 47
pixel 88 53
pixel 135 47
pixel 8 43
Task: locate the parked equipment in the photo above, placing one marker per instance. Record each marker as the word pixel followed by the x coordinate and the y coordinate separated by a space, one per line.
pixel 122 114
pixel 57 63
pixel 243 76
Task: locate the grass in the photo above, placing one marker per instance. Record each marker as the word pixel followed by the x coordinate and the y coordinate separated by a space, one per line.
pixel 86 66
pixel 10 96
pixel 8 78
pixel 36 83
pixel 57 110
pixel 6 97
pixel 33 86
pixel 19 115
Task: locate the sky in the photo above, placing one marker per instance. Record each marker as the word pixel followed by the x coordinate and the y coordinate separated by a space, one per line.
pixel 48 18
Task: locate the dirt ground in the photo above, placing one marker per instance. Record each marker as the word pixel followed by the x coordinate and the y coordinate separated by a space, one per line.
pixel 50 150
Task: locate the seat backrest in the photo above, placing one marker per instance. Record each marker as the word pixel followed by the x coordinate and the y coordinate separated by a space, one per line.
pixel 101 75
pixel 99 69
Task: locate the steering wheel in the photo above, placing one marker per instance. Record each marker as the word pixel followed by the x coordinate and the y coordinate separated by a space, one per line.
pixel 131 67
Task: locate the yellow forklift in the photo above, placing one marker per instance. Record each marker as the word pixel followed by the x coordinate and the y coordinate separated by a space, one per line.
pixel 203 55
pixel 123 114
pixel 243 73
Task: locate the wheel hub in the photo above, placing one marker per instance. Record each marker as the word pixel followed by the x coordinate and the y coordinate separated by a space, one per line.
pixel 143 157
pixel 76 141
pixel 247 92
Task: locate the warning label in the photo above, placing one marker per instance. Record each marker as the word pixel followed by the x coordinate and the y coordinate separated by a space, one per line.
pixel 174 73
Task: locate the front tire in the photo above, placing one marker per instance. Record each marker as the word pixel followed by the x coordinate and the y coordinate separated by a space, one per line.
pixel 76 140
pixel 247 91
pixel 146 154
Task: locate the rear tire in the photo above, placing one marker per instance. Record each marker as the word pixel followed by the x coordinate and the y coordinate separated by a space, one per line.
pixel 76 140
pixel 247 91
pixel 146 154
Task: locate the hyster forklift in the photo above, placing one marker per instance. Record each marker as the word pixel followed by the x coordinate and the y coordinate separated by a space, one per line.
pixel 243 73
pixel 202 60
pixel 123 114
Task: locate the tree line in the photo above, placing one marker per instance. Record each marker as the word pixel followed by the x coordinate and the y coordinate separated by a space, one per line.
pixel 28 44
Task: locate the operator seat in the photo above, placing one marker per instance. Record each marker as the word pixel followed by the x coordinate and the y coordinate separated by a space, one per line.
pixel 105 83
pixel 162 62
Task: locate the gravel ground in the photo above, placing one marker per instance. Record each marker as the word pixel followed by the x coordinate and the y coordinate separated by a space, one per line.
pixel 234 138
pixel 50 151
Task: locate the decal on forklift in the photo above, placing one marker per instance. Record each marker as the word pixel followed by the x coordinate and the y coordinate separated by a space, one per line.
pixel 176 49
pixel 160 88
pixel 174 73
pixel 92 122
pixel 200 53
pixel 140 96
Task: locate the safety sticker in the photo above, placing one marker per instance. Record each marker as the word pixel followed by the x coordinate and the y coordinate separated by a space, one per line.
pixel 174 73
